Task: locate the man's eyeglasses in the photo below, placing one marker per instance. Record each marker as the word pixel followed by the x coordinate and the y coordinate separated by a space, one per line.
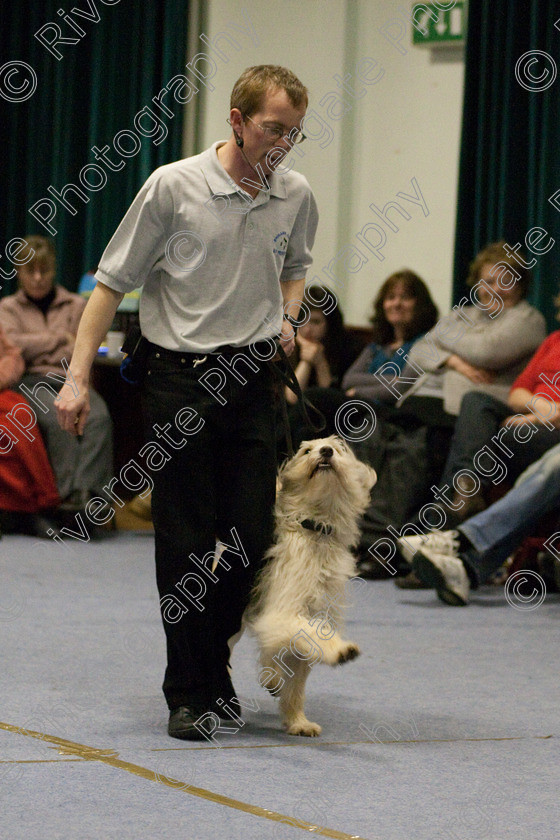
pixel 294 136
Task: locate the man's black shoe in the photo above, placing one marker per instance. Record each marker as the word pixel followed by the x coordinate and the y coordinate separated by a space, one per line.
pixel 182 723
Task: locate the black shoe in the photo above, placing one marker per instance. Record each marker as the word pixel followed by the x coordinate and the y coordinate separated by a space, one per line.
pixel 182 723
pixel 42 526
pixel 371 568
pixel 9 520
pixel 29 524
pixel 97 532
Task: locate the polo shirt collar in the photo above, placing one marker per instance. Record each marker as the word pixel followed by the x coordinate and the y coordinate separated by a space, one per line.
pixel 220 182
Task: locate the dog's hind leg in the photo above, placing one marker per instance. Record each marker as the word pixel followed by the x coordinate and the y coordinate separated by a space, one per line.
pixel 292 699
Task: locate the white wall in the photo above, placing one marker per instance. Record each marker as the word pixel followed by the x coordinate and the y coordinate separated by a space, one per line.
pixel 405 125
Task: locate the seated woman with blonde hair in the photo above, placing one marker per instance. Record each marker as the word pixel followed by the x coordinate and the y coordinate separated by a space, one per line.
pixel 484 346
pixel 42 319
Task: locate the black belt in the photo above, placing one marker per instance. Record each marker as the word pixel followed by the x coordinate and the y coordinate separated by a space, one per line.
pixel 262 350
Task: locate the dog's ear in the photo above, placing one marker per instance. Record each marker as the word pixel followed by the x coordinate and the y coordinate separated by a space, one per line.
pixel 280 476
pixel 368 476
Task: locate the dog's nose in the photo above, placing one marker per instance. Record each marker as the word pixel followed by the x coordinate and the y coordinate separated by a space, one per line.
pixel 326 451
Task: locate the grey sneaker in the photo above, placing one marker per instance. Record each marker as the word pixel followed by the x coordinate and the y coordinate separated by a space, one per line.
pixel 437 562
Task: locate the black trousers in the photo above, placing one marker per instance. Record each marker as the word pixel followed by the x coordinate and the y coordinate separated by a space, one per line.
pixel 218 483
pixel 472 448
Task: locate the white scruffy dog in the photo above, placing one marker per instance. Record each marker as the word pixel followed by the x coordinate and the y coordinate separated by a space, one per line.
pixel 295 609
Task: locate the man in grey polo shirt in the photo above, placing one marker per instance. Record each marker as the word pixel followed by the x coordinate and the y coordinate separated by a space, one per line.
pixel 220 243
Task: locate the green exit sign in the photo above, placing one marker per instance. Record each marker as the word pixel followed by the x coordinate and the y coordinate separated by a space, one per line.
pixel 433 26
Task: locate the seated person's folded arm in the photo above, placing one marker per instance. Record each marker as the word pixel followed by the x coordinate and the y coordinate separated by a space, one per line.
pixel 476 374
pixel 532 408
pixel 518 399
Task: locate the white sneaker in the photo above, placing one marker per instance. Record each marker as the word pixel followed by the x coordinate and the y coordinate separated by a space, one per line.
pixel 437 563
pixel 443 542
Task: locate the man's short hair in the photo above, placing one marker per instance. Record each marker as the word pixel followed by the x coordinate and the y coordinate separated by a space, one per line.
pixel 254 83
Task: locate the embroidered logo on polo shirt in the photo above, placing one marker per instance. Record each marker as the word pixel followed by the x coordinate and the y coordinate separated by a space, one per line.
pixel 280 243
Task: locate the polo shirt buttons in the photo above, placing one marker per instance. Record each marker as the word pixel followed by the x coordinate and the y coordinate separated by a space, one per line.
pixel 158 356
pixel 250 225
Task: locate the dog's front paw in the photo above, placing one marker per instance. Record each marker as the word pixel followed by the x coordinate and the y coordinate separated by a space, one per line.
pixel 348 652
pixel 307 728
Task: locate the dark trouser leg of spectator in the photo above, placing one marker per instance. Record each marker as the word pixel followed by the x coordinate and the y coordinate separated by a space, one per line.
pixel 479 419
pixel 481 446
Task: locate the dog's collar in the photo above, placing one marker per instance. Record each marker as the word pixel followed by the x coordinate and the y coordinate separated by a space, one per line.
pixel 318 527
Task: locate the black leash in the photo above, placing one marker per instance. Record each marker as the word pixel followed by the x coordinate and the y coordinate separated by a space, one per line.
pixel 285 373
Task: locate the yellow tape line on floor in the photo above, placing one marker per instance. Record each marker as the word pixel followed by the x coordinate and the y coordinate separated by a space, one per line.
pixel 111 758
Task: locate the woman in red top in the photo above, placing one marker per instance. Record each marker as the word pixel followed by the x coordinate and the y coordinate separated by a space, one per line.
pixel 27 486
pixel 536 391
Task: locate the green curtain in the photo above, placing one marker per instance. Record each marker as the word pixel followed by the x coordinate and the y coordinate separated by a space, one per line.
pixel 84 99
pixel 510 161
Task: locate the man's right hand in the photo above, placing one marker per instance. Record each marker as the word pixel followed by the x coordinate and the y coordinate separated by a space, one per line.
pixel 72 411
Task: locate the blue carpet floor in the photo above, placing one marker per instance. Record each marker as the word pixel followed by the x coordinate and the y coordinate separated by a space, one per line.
pixel 446 727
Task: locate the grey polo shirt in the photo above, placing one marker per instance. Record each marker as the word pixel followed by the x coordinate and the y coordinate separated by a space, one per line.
pixel 209 258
